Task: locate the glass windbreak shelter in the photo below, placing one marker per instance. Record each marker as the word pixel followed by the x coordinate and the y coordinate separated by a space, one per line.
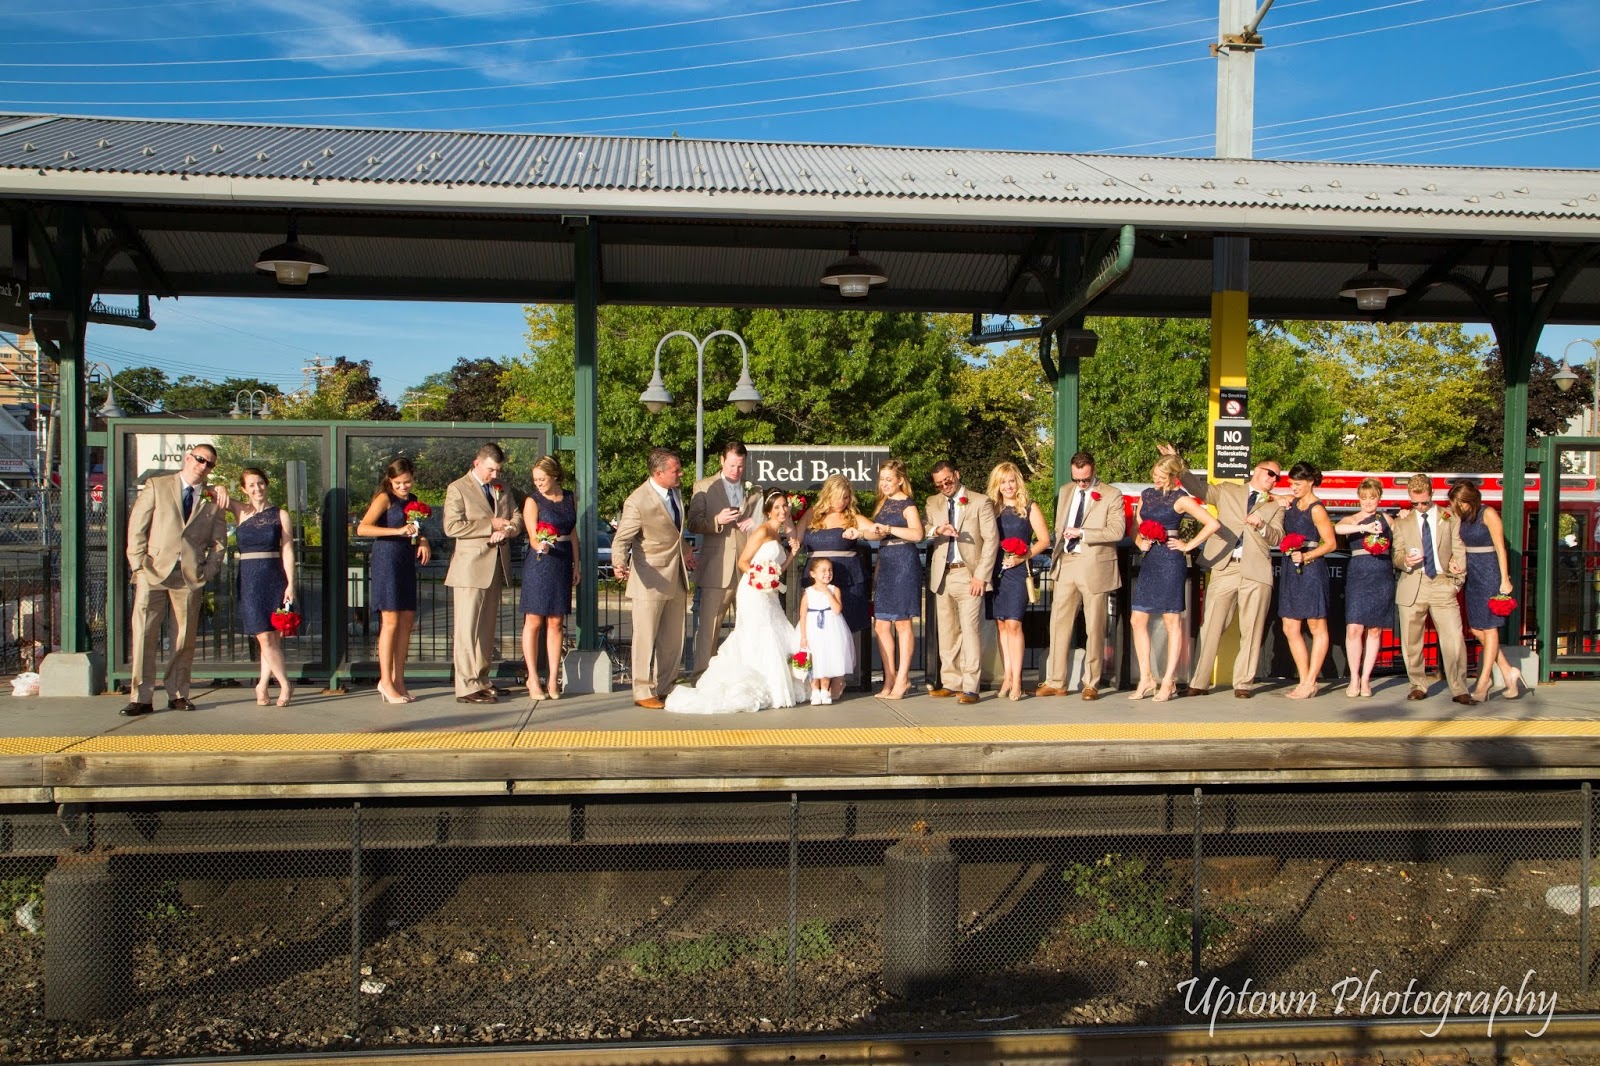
pixel 324 475
pixel 1568 594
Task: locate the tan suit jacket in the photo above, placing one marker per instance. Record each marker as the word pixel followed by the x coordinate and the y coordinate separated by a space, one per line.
pixel 1216 554
pixel 718 554
pixel 161 542
pixel 1105 523
pixel 1410 584
pixel 977 538
pixel 469 520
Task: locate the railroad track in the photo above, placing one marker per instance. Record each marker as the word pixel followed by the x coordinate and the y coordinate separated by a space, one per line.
pixel 1568 1041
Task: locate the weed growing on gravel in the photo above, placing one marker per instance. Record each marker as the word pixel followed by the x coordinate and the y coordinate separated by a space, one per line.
pixel 164 904
pixel 1131 910
pixel 16 893
pixel 715 951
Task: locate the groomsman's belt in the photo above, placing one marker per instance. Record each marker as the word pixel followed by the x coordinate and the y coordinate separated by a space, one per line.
pixel 260 555
pixel 1476 551
pixel 833 555
pixel 956 565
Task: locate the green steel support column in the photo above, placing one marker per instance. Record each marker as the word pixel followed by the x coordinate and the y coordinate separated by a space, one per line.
pixel 69 295
pixel 1517 346
pixel 586 415
pixel 1066 383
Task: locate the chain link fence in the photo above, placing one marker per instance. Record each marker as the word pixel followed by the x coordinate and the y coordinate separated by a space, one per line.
pixel 204 931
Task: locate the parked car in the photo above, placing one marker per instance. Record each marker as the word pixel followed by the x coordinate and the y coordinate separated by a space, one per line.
pixel 602 552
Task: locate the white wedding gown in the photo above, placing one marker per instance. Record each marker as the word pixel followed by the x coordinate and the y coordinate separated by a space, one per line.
pixel 750 672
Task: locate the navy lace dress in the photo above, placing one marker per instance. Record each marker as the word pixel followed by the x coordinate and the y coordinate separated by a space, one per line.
pixel 547 579
pixel 1008 594
pixel 261 581
pixel 1304 594
pixel 897 596
pixel 848 574
pixel 1483 574
pixel 1369 582
pixel 1164 573
pixel 393 569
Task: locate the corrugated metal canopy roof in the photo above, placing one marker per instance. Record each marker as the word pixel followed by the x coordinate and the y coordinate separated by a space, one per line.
pixel 479 216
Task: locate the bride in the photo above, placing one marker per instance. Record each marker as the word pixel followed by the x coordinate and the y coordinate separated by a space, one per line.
pixel 750 672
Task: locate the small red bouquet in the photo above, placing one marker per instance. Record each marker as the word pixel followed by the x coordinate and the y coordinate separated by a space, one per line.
pixel 1502 604
pixel 798 504
pixel 1376 544
pixel 1016 550
pixel 416 511
pixel 800 664
pixel 1293 542
pixel 1153 531
pixel 286 620
pixel 545 533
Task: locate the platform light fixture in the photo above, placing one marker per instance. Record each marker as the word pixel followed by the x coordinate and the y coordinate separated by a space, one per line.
pixel 1372 289
pixel 291 262
pixel 854 275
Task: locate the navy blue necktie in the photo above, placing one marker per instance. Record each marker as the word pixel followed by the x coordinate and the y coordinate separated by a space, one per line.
pixel 1077 517
pixel 188 501
pixel 1428 566
pixel 950 552
pixel 1250 504
pixel 672 505
pixel 488 496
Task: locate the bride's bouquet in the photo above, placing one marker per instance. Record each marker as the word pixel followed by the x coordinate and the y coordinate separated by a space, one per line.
pixel 764 577
pixel 800 664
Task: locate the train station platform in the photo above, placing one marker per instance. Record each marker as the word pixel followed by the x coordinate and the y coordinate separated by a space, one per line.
pixel 353 745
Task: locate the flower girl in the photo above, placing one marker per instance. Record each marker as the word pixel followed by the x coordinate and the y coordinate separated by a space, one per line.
pixel 824 632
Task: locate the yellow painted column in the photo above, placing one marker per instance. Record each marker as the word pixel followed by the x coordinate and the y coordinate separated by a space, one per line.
pixel 1230 332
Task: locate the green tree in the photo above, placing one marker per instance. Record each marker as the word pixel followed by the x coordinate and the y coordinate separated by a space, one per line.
pixel 848 377
pixel 1549 411
pixel 424 401
pixel 345 391
pixel 1295 411
pixel 191 393
pixel 139 389
pixel 1009 410
pixel 474 391
pixel 1413 390
pixel 1145 384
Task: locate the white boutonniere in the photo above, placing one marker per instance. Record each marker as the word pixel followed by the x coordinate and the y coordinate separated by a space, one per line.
pixel 749 486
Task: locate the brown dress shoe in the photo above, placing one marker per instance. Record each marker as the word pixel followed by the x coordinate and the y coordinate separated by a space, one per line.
pixel 1090 692
pixel 182 703
pixel 483 695
pixel 1243 693
pixel 135 709
pixel 967 697
pixel 1464 699
pixel 1190 690
pixel 1417 694
pixel 940 693
pixel 655 703
pixel 1049 690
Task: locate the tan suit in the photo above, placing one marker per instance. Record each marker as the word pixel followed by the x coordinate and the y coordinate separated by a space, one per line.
pixel 716 570
pixel 958 610
pixel 1417 596
pixel 1245 582
pixel 171 560
pixel 1083 580
pixel 650 546
pixel 478 571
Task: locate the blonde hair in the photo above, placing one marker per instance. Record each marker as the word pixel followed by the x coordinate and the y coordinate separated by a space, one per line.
pixel 1173 467
pixel 833 490
pixel 1372 485
pixel 904 484
pixel 550 465
pixel 1024 501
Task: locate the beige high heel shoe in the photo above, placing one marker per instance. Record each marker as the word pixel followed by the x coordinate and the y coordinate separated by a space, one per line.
pixel 1145 688
pixel 1515 685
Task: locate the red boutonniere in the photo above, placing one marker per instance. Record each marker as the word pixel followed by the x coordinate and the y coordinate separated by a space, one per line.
pixel 495 487
pixel 961 500
pixel 1095 496
pixel 208 493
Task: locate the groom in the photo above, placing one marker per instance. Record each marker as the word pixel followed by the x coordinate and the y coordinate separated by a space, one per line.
pixel 722 511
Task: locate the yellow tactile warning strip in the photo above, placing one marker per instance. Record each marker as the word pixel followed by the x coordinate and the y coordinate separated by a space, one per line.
pixel 890 736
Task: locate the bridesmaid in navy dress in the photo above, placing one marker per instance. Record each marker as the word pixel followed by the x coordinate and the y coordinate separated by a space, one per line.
pixel 548 574
pixel 1368 586
pixel 831 528
pixel 1162 583
pixel 1017 516
pixel 266 577
pixel 897 593
pixel 1303 578
pixel 1488 574
pixel 393 571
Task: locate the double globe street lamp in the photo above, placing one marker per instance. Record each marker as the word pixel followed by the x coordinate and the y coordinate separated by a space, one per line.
pixel 744 396
pixel 1565 378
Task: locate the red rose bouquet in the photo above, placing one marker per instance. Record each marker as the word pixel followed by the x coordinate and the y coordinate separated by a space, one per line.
pixel 545 533
pixel 286 620
pixel 763 577
pixel 1293 542
pixel 1501 605
pixel 416 511
pixel 1016 550
pixel 1153 531
pixel 1376 544
pixel 797 505
pixel 800 664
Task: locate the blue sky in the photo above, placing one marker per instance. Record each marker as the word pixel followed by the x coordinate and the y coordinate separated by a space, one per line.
pixel 1466 82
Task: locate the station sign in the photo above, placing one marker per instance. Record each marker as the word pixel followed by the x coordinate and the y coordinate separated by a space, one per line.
pixel 1230 450
pixel 14 305
pixel 805 466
